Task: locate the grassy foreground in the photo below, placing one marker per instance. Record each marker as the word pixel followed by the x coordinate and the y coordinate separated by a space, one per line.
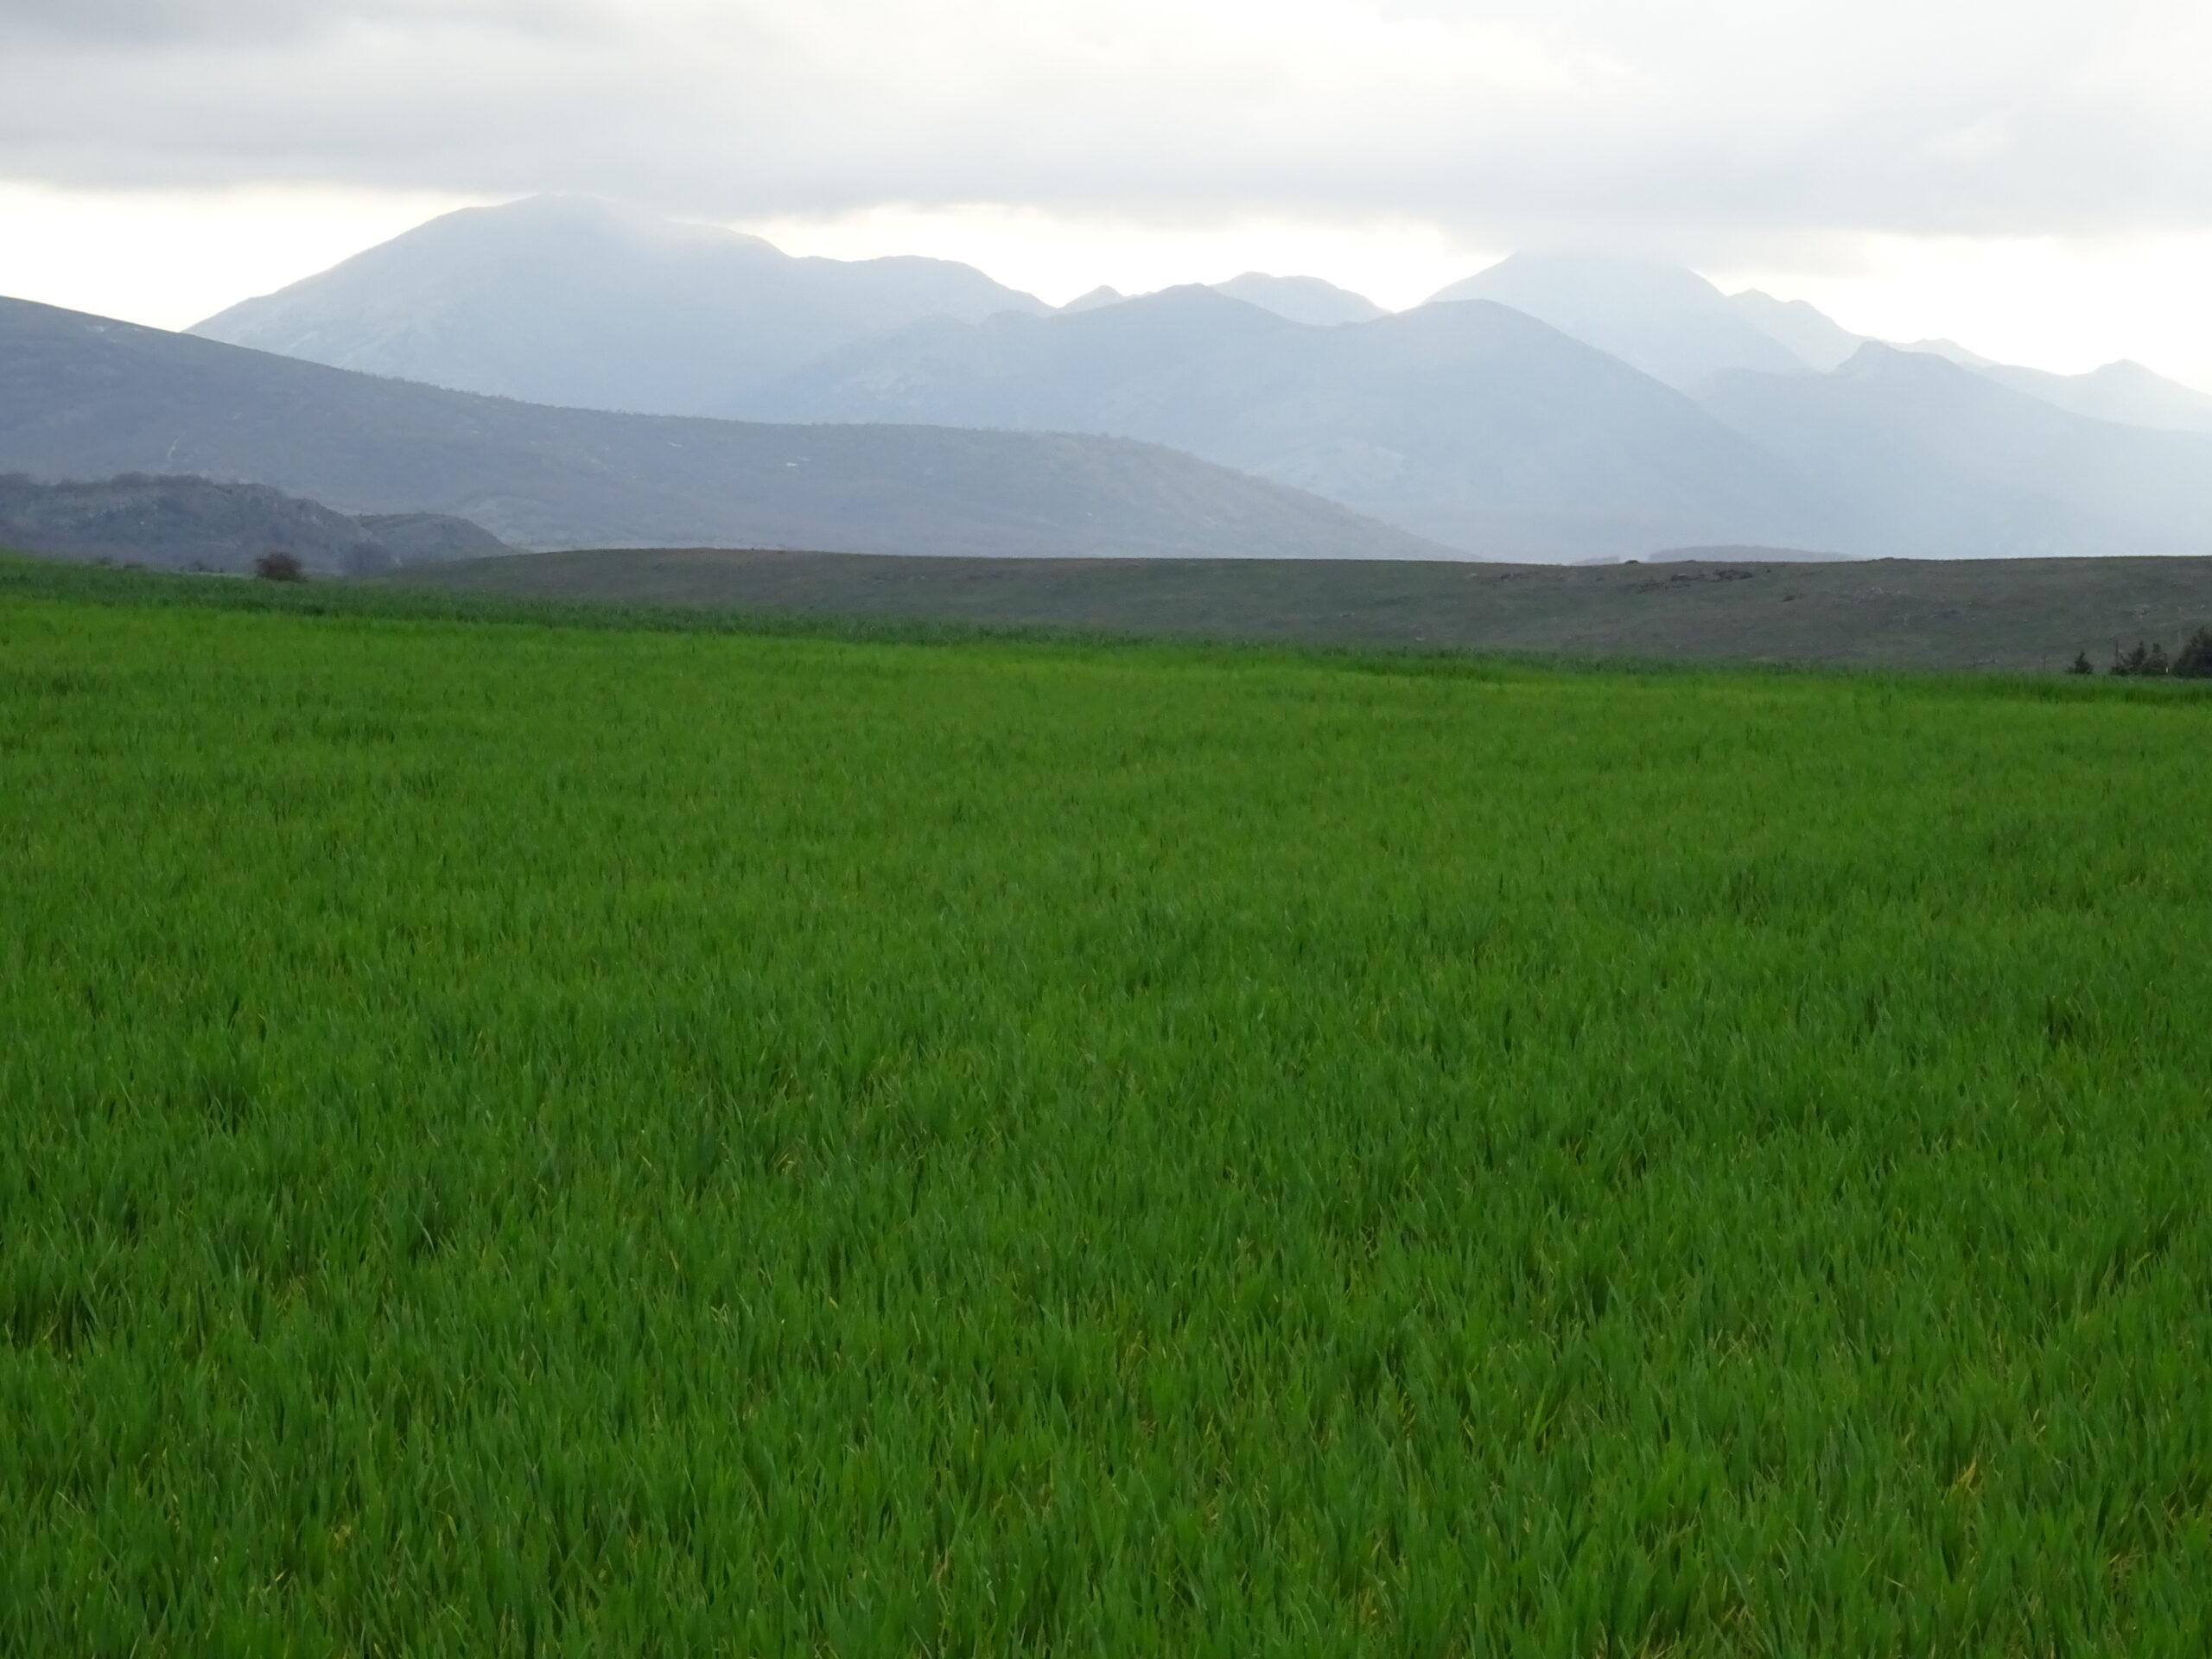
pixel 541 1139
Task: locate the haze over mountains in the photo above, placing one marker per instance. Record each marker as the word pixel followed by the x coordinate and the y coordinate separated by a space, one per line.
pixel 1471 423
pixel 1671 323
pixel 1817 339
pixel 1556 406
pixel 572 300
pixel 2126 392
pixel 1301 299
pixel 1933 455
pixel 83 397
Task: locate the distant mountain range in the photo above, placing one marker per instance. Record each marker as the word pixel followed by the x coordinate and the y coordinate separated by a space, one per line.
pixel 1468 423
pixel 2126 392
pixel 571 300
pixel 1671 323
pixel 195 523
pixel 1816 339
pixel 1557 406
pixel 82 397
pixel 1935 457
pixel 1301 299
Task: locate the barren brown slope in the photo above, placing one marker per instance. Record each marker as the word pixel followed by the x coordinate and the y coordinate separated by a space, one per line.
pixel 2025 613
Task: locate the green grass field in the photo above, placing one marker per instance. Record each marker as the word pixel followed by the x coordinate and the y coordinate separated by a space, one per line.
pixel 526 1137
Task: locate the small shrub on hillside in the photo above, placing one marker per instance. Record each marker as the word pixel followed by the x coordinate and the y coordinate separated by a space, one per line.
pixel 2193 660
pixel 279 566
pixel 2080 664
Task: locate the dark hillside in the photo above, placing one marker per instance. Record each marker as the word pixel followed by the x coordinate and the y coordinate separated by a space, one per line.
pixel 2023 613
pixel 192 523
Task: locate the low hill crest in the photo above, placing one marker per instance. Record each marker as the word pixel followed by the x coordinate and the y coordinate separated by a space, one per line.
pixel 88 397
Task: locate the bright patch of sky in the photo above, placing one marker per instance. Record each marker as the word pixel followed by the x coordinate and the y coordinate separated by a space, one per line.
pixel 168 257
pixel 2046 302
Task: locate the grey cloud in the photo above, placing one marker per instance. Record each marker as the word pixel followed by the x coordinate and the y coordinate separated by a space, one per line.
pixel 1726 123
pixel 117 21
pixel 77 25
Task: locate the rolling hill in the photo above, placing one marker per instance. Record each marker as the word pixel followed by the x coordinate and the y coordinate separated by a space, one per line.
pixel 86 398
pixel 1745 604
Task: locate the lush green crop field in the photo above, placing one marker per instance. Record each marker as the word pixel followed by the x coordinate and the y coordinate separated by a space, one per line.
pixel 532 1138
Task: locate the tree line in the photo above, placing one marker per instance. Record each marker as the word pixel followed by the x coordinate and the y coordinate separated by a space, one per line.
pixel 2192 662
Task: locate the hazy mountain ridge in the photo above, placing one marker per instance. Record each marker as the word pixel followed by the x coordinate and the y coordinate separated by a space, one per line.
pixel 1627 410
pixel 1941 459
pixel 1679 327
pixel 1469 423
pixel 575 302
pixel 1669 323
pixel 1301 299
pixel 1809 333
pixel 2124 392
pixel 83 396
pixel 182 522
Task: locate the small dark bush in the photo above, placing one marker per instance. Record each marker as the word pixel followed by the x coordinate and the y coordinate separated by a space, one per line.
pixel 2193 660
pixel 2080 664
pixel 2141 661
pixel 277 565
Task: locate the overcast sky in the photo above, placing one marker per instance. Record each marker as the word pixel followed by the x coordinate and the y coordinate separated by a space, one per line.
pixel 2032 176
